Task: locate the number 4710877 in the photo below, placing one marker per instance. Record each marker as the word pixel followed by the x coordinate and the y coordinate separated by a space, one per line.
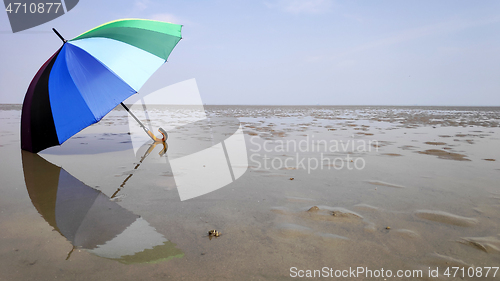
pixel 470 272
pixel 33 8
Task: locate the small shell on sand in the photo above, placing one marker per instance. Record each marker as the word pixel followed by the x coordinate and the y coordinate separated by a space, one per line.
pixel 446 218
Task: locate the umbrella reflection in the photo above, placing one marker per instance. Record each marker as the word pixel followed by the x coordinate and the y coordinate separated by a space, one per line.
pixel 206 155
pixel 89 219
pixel 148 151
pixel 202 156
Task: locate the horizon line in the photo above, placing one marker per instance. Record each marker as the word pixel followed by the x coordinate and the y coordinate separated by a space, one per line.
pixel 407 105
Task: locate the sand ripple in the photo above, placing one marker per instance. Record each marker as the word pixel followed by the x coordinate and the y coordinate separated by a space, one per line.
pixel 366 207
pixel 332 236
pixel 446 218
pixel 280 210
pixel 376 182
pixel 325 213
pixel 406 233
pixel 446 261
pixel 489 244
pixel 290 230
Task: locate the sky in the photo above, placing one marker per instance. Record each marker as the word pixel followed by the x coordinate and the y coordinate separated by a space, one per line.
pixel 296 52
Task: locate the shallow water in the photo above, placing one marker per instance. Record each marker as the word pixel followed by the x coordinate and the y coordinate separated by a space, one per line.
pixel 421 191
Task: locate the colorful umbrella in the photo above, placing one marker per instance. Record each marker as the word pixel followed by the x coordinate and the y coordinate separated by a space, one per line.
pixel 89 219
pixel 90 75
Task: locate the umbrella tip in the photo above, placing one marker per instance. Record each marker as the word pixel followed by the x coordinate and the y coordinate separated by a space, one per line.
pixel 60 36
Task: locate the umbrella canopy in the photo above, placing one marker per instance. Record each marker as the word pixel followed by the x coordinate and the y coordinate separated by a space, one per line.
pixel 89 219
pixel 90 75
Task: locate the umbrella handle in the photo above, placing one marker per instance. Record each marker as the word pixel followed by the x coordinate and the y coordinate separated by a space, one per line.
pixel 164 150
pixel 164 133
pixel 150 134
pixel 155 139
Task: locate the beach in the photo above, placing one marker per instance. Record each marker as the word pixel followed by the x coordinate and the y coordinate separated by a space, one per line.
pixel 336 187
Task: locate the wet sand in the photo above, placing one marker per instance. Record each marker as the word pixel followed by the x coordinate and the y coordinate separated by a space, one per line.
pixel 436 204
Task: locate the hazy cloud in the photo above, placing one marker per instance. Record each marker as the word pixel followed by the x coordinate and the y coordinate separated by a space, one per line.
pixel 419 32
pixel 168 18
pixel 301 6
pixel 142 5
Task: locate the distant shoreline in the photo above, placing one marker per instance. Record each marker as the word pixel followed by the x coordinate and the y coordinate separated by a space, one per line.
pixel 4 106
